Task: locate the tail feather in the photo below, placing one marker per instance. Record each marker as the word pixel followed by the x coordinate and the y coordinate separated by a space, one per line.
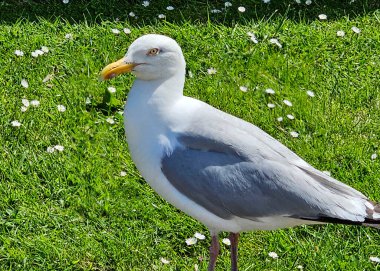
pixel 372 220
pixel 373 215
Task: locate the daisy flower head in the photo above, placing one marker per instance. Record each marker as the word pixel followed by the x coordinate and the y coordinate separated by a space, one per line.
pixel 199 236
pixel 340 33
pixel 322 17
pixel 270 91
pixel 115 31
pixel 110 120
pixel 191 241
pixel 19 53
pixel 273 255
pixel 288 103
pixel 15 123
pixel 243 88
pixel 35 103
pixel 164 261
pixel 275 42
pixel 226 241
pixel 356 29
pixel 61 108
pixel 24 83
pixel 310 93
pixel 211 71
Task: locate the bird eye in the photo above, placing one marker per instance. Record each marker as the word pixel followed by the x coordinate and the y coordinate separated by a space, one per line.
pixel 153 52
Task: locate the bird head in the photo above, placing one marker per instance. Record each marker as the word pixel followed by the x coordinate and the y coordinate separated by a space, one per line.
pixel 149 57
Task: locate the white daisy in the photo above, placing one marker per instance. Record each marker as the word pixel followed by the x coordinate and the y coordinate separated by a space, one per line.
pixel 123 173
pixel 199 236
pixel 322 17
pixel 308 2
pixel 243 88
pixel 145 3
pixel 164 261
pixel 45 49
pixel 115 31
pixel 35 103
pixel 16 123
pixel 59 147
pixel 270 91
pixel 226 241
pixel 276 42
pixel 39 52
pixel 290 116
pixel 271 105
pixel 111 89
pixel 19 53
pixel 340 33
pixel 65 1
pixel 50 149
pixel 161 16
pixel 61 108
pixel 211 71
pixel 25 102
pixel 266 1
pixel 254 39
pixel 169 8
pixel 279 119
pixel 356 30
pixel 241 9
pixel 24 108
pixel 373 156
pixel 190 74
pixel 191 241
pixel 310 93
pixel 132 14
pixel 294 134
pixel 288 103
pixel 273 255
pixel 127 31
pixel 228 4
pixel 24 83
pixel 34 54
pixel 69 36
pixel 374 259
pixel 110 120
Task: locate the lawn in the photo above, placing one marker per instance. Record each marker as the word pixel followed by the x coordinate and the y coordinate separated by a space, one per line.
pixel 70 196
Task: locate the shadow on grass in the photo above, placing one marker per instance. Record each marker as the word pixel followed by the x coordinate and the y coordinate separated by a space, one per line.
pixel 95 11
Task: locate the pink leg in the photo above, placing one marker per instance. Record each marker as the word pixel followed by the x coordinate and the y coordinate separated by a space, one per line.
pixel 234 238
pixel 214 252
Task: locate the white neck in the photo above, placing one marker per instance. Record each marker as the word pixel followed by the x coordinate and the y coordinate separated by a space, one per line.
pixel 148 104
pixel 146 111
pixel 156 93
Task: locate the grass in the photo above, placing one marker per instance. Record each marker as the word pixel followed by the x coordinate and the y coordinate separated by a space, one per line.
pixel 72 210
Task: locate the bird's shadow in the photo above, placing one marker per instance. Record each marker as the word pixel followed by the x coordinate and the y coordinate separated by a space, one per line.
pixel 97 11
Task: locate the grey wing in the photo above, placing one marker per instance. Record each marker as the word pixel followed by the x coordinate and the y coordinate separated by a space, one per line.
pixel 233 168
pixel 227 185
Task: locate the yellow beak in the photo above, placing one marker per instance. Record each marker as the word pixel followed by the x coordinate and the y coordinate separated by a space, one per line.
pixel 114 69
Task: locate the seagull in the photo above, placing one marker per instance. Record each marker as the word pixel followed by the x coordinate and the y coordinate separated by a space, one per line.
pixel 219 169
